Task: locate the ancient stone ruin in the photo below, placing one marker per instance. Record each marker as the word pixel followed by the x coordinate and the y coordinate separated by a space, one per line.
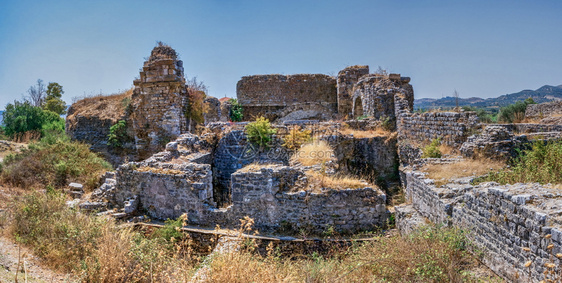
pixel 169 164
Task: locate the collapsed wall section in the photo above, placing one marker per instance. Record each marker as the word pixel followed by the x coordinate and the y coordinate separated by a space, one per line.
pixel 288 97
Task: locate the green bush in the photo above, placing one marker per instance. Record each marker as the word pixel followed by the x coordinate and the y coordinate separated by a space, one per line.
pixel 21 117
pixel 514 113
pixel 260 131
pixel 539 164
pixel 432 150
pixel 53 162
pixel 118 134
pixel 236 111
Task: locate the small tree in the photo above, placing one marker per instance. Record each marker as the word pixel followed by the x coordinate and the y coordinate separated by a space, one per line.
pixel 236 111
pixel 260 131
pixel 53 101
pixel 37 94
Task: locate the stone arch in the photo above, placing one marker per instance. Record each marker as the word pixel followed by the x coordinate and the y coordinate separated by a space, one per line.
pixel 357 110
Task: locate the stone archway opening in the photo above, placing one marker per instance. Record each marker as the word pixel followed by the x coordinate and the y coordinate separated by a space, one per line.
pixel 357 110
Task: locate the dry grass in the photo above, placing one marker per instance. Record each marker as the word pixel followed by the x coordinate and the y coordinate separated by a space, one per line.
pixel 445 149
pixel 318 181
pixel 443 173
pixel 256 166
pixel 96 250
pixel 317 152
pixel 111 107
pixel 378 132
pixel 160 171
pixel 431 255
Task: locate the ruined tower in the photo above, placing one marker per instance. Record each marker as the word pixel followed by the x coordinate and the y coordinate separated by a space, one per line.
pixel 157 113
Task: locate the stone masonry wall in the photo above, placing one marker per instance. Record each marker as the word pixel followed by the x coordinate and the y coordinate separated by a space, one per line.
pixel 452 127
pixel 159 102
pixel 346 80
pixel 542 110
pixel 501 220
pixel 305 96
pixel 168 191
pixel 260 195
pixel 374 95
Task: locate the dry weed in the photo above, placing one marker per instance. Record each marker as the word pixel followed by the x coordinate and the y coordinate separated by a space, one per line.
pixel 318 181
pixel 443 173
pixel 317 152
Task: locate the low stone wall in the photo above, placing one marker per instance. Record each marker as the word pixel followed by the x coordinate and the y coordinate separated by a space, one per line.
pixel 502 220
pixel 260 195
pixel 452 127
pixel 526 128
pixel 168 191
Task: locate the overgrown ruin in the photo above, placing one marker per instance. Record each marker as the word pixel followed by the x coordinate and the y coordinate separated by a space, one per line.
pixel 212 173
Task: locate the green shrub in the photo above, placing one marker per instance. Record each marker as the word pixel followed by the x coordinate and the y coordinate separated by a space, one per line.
pixel 236 111
pixel 22 117
pixel 514 113
pixel 432 150
pixel 539 164
pixel 118 134
pixel 260 131
pixel 54 163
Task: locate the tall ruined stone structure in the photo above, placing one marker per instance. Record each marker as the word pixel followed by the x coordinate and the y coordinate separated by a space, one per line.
pixel 375 95
pixel 157 110
pixel 347 78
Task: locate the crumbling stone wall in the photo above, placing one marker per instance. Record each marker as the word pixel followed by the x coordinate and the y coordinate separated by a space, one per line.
pixel 539 111
pixel 346 80
pixel 502 220
pixel 304 96
pixel 374 95
pixel 167 190
pixel 211 110
pixel 452 127
pixel 159 102
pixel 261 195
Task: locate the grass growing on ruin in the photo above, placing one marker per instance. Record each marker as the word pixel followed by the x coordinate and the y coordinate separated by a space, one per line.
pixel 541 164
pixel 95 249
pixel 444 173
pixel 430 255
pixel 110 107
pixel 317 181
pixel 53 163
pixel 317 152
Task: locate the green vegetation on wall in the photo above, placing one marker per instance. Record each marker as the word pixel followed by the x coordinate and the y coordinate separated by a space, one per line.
pixel 540 164
pixel 118 134
pixel 260 131
pixel 432 150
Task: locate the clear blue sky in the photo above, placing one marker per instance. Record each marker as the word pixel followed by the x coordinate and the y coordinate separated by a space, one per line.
pixel 480 48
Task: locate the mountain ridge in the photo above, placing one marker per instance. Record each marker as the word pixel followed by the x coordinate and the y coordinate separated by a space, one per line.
pixel 545 93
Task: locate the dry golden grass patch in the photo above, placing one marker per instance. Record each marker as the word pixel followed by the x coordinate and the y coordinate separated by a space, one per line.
pixel 256 166
pixel 111 107
pixel 317 152
pixel 442 173
pixel 378 132
pixel 317 181
pixel 160 170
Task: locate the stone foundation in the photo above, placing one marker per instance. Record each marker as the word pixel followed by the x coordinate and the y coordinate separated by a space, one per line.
pixel 502 220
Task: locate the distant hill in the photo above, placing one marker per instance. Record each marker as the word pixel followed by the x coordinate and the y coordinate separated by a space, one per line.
pixel 543 94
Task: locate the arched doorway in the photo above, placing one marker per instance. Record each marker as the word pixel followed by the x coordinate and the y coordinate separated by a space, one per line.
pixel 357 110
